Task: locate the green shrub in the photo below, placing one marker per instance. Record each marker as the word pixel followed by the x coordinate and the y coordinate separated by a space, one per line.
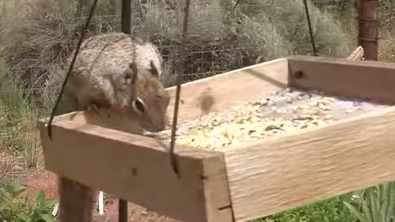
pixel 289 18
pixel 330 210
pixel 374 204
pixel 14 207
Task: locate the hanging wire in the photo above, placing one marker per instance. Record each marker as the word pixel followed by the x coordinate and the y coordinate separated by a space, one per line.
pixel 173 159
pixel 306 8
pixel 84 30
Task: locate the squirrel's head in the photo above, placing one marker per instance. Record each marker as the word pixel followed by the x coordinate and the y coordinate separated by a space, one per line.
pixel 150 99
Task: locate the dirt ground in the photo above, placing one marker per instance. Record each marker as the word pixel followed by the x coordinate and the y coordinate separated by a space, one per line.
pixel 47 182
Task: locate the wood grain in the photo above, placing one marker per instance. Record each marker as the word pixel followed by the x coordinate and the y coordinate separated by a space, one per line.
pixel 369 80
pixel 232 88
pixel 138 169
pixel 113 121
pixel 270 176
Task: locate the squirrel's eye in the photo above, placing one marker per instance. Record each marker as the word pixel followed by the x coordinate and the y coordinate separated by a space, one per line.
pixel 138 105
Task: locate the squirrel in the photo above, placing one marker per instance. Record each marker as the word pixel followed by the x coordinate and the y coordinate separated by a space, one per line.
pixel 119 74
pixel 117 77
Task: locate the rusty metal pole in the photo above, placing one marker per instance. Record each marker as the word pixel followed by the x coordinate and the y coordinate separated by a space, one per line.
pixel 126 16
pixel 126 24
pixel 368 27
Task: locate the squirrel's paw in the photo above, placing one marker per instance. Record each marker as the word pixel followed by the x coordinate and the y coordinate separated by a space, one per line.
pixel 97 111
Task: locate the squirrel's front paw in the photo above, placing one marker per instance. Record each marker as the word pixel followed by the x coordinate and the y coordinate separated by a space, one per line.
pixel 102 112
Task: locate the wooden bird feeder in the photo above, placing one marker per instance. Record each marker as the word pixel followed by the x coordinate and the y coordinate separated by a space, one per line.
pixel 251 180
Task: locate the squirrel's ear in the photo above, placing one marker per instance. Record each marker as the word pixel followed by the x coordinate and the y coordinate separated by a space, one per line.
pixel 131 73
pixel 153 69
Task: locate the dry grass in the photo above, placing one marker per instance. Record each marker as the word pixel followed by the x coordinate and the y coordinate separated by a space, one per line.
pixel 19 143
pixel 9 165
pixel 387 47
pixel 221 38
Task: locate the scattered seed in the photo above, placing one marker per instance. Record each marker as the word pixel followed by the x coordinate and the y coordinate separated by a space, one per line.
pixel 282 112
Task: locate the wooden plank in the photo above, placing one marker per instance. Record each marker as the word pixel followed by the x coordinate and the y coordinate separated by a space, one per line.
pixel 107 121
pixel 370 80
pixel 223 91
pixel 138 169
pixel 270 176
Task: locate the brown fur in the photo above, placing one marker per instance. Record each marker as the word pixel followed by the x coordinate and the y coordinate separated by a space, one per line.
pixel 102 76
pixel 107 75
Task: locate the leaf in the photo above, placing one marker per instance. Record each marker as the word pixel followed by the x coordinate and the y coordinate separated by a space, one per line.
pixel 374 203
pixel 40 197
pixel 391 204
pixel 385 211
pixel 356 213
pixel 49 202
pixel 2 206
pixel 23 217
pixel 14 189
pixel 48 217
pixel 366 209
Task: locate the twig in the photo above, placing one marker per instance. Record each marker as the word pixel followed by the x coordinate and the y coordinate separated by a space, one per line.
pixel 101 204
pixel 357 54
pixel 55 209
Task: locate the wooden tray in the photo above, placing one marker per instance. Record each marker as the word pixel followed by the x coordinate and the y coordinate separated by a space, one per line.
pixel 256 180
